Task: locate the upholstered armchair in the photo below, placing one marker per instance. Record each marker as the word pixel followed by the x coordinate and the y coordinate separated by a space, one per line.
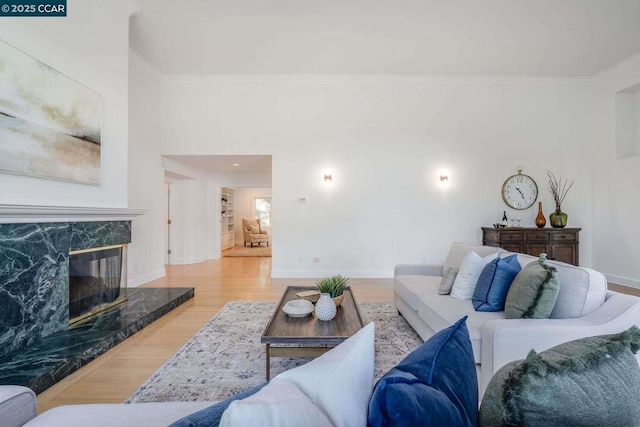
pixel 253 233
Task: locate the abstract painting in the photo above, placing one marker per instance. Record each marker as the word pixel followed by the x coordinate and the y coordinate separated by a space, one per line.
pixel 49 123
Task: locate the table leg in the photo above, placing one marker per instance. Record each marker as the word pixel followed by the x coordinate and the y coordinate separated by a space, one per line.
pixel 268 376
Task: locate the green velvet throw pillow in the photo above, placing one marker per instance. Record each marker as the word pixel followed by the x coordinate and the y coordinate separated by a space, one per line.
pixel 592 381
pixel 534 291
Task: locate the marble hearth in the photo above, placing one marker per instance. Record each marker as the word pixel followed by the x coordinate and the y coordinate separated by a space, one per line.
pixel 58 355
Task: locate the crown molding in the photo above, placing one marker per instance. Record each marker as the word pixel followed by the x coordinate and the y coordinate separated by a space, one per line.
pixel 14 214
pixel 379 78
pixel 146 64
pixel 133 7
pixel 617 67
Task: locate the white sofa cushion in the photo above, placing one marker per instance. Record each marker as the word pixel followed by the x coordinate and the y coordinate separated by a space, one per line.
pixel 446 283
pixel 442 311
pixel 339 384
pixel 17 405
pixel 411 288
pixel 582 290
pixel 458 251
pixel 117 414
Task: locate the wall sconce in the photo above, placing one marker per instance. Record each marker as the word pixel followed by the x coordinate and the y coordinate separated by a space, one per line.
pixel 327 177
pixel 442 177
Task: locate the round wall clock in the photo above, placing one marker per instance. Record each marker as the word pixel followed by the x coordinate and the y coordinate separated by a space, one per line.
pixel 519 191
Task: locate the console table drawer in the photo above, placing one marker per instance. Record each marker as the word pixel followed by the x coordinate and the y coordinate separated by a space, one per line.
pixel 563 237
pixel 537 237
pixel 510 237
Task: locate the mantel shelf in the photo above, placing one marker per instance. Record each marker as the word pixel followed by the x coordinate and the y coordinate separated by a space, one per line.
pixel 13 214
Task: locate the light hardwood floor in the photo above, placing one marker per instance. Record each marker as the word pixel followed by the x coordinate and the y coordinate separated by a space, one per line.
pixel 112 377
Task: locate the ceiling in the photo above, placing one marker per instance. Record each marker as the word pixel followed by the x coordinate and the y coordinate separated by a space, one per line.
pixel 225 163
pixel 554 38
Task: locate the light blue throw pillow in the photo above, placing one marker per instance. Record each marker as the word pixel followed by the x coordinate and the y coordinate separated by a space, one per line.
pixel 494 282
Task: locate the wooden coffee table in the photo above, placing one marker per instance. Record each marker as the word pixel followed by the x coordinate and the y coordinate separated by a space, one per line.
pixel 287 336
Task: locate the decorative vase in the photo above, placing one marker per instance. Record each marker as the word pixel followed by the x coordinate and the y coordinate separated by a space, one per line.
pixel 325 308
pixel 540 219
pixel 558 219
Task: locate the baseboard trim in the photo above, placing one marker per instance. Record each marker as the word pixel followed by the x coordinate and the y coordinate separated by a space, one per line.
pixel 624 281
pixel 145 278
pixel 190 260
pixel 306 274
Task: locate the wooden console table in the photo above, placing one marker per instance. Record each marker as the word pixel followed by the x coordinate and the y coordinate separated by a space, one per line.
pixel 560 244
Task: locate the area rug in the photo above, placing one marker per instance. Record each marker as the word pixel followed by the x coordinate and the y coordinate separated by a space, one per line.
pixel 226 357
pixel 248 251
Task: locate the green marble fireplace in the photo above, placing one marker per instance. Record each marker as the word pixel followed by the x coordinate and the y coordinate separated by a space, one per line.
pixel 34 275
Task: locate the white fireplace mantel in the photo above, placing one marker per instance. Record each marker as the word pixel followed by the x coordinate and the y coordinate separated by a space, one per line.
pixel 13 214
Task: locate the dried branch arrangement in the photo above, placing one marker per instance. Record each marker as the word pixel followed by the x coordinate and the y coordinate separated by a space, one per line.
pixel 559 188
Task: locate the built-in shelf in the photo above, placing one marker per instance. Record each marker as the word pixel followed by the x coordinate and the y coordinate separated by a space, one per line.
pixel 14 214
pixel 227 230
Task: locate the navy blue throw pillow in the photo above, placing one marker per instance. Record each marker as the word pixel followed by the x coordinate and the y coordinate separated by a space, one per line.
pixel 494 283
pixel 435 385
pixel 210 417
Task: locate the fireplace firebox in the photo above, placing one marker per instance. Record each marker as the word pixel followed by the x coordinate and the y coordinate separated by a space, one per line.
pixel 97 280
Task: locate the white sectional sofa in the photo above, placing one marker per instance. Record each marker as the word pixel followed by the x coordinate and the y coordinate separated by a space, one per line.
pixel 584 308
pixel 18 408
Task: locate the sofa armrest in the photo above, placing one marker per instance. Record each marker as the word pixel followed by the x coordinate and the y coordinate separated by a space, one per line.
pixel 506 340
pixel 17 405
pixel 418 270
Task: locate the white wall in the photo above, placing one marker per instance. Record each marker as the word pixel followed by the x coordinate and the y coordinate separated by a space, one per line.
pixel 146 174
pixel 90 45
pixel 616 198
pixel 244 208
pixel 386 139
pixel 638 121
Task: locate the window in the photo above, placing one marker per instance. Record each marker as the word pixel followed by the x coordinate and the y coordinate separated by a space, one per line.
pixel 262 210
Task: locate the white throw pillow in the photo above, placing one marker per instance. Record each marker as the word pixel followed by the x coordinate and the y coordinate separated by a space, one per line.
pixel 446 283
pixel 338 383
pixel 467 278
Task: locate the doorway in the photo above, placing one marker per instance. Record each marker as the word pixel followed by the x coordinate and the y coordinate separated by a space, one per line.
pixel 251 213
pixel 207 209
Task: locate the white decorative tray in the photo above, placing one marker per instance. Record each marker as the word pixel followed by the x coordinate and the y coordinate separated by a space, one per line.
pixel 298 308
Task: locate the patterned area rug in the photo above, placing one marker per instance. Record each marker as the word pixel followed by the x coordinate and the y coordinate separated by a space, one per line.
pixel 248 251
pixel 226 357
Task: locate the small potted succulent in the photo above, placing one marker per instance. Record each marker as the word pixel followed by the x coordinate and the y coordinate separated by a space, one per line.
pixel 334 286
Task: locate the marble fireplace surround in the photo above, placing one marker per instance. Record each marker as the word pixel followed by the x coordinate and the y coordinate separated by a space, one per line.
pixel 34 264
